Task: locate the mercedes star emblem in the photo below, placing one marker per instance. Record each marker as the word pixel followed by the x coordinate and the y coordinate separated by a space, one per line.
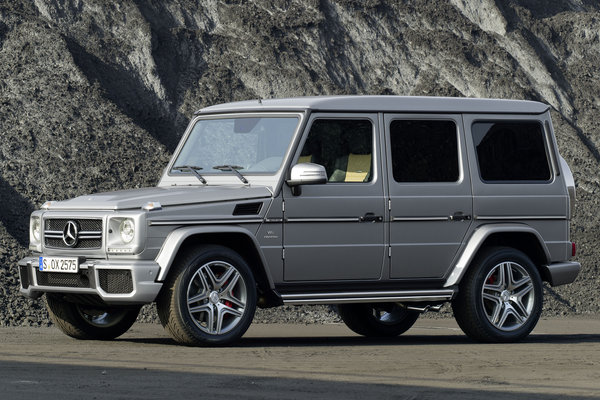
pixel 71 234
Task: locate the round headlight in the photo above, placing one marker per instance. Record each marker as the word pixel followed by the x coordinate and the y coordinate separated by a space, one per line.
pixel 36 228
pixel 127 230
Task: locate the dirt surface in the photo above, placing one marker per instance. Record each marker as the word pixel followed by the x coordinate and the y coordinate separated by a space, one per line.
pixel 273 361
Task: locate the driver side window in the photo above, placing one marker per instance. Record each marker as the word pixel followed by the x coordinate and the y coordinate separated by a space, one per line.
pixel 343 147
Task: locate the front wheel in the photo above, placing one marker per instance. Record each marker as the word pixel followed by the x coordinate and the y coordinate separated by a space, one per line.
pixel 377 320
pixel 500 298
pixel 209 298
pixel 88 322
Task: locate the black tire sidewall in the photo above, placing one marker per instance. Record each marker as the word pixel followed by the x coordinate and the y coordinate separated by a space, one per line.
pixel 197 260
pixel 360 319
pixel 68 318
pixel 489 261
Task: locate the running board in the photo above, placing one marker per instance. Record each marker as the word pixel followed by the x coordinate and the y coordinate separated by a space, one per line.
pixel 402 296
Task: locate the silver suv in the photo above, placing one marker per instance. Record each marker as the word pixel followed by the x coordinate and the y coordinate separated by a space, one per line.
pixel 385 206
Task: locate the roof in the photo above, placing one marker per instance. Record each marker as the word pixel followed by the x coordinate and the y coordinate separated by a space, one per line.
pixel 383 104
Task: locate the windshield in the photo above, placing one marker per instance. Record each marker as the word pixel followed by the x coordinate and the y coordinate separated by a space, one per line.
pixel 247 145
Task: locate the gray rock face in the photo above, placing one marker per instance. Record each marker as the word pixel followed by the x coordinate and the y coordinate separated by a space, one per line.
pixel 94 95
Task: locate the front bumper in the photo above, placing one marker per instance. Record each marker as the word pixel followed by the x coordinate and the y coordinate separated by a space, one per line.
pixel 561 273
pixel 114 282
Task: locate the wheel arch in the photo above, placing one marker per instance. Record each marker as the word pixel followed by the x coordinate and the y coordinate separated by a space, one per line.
pixel 518 236
pixel 236 238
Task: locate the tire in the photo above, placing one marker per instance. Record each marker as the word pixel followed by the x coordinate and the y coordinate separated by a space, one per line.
pixel 209 297
pixel 377 319
pixel 89 322
pixel 500 297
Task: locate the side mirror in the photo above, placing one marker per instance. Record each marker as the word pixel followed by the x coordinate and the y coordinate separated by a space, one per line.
pixel 306 174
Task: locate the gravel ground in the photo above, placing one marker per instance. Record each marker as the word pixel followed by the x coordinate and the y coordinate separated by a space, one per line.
pixel 94 97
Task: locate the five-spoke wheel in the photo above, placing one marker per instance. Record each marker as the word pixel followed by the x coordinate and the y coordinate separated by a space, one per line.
pixel 508 296
pixel 216 297
pixel 500 297
pixel 209 298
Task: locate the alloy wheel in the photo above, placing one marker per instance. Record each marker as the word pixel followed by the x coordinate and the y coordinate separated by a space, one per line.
pixel 508 296
pixel 216 297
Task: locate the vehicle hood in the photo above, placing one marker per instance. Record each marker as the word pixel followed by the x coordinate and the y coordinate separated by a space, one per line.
pixel 166 196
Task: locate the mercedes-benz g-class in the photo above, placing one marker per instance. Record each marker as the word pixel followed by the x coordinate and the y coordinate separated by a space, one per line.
pixel 385 206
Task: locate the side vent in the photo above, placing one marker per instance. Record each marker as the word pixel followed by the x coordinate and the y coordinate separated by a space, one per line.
pixel 247 209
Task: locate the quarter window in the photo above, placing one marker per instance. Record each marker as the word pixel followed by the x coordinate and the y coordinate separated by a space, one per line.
pixel 343 147
pixel 511 151
pixel 424 151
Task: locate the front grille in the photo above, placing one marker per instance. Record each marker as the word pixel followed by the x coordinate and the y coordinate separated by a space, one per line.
pixel 82 244
pixel 115 280
pixel 61 279
pixel 89 235
pixel 85 224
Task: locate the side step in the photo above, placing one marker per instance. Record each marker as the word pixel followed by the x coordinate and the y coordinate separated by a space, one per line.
pixel 401 296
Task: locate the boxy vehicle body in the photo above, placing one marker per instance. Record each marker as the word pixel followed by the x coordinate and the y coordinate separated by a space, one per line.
pixel 386 206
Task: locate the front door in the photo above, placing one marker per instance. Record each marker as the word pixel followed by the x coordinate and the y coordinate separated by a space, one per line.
pixel 335 231
pixel 430 193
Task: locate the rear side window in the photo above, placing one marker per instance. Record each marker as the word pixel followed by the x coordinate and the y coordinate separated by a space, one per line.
pixel 511 151
pixel 424 151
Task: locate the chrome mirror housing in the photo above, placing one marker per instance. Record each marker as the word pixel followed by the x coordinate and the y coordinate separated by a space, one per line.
pixel 307 174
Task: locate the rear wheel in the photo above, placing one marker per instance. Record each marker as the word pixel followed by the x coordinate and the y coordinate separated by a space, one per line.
pixel 377 319
pixel 88 322
pixel 500 297
pixel 209 298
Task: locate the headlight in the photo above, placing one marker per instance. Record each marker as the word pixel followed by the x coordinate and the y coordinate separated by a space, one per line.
pixel 127 230
pixel 126 234
pixel 36 229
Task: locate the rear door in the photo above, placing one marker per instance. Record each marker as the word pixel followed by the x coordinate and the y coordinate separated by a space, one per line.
pixel 430 193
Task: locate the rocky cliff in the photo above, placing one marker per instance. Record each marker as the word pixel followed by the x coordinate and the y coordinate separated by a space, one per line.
pixel 94 95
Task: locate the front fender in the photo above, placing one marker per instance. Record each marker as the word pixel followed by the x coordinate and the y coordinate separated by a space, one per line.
pixel 478 238
pixel 174 240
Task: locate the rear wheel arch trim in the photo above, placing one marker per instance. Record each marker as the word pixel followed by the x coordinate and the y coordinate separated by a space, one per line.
pixel 478 238
pixel 177 237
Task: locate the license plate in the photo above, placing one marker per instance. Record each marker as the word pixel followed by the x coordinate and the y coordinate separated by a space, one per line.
pixel 59 264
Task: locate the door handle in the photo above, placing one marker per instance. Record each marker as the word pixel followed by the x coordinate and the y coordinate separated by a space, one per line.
pixel 370 217
pixel 459 216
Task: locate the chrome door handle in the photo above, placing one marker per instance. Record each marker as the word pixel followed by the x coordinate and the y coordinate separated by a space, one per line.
pixel 370 217
pixel 459 216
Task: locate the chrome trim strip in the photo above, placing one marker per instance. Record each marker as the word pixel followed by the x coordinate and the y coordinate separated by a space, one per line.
pixel 368 297
pixel 205 222
pixel 347 219
pixel 53 236
pixel 82 234
pixel 407 219
pixel 273 220
pixel 519 217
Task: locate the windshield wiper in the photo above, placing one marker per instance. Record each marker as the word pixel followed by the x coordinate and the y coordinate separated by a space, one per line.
pixel 194 169
pixel 234 169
